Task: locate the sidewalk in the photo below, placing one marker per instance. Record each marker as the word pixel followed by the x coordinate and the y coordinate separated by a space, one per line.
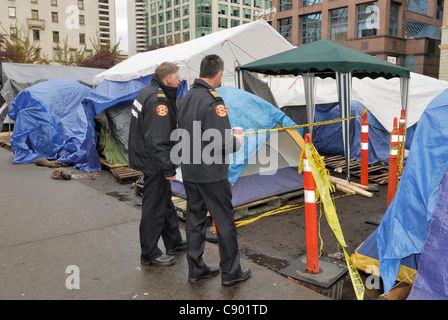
pixel 47 225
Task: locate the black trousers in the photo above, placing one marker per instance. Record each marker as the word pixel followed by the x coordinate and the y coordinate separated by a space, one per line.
pixel 216 198
pixel 159 217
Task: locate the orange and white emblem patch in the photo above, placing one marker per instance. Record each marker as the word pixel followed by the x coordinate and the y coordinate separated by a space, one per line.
pixel 221 110
pixel 162 110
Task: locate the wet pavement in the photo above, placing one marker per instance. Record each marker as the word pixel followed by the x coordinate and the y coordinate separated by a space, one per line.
pixel 54 232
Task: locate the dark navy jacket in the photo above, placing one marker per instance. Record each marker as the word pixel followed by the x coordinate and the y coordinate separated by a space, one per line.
pixel 202 113
pixel 152 121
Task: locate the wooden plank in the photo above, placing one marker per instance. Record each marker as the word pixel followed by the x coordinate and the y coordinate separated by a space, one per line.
pixel 109 166
pixel 349 188
pixel 344 188
pixel 370 169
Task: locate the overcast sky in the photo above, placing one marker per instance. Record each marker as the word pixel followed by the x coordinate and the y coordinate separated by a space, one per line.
pixel 122 24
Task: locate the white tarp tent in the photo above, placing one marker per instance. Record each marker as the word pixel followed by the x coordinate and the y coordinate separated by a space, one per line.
pixel 238 45
pixel 380 96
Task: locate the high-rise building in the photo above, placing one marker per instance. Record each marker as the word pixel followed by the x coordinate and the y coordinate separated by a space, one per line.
pixel 54 21
pixel 137 26
pixel 174 21
pixel 405 32
pixel 443 69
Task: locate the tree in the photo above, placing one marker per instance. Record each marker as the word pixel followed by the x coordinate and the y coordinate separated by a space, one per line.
pixel 98 46
pixel 103 59
pixel 66 57
pixel 20 48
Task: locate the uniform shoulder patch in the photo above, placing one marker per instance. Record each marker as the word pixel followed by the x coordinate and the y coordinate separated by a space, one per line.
pixel 214 93
pixel 221 110
pixel 162 110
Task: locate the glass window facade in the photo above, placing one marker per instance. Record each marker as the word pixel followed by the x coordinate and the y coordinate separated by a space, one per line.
pixel 393 20
pixel 311 27
pixel 338 24
pixel 366 19
pixel 285 28
pixel 307 3
pixel 285 5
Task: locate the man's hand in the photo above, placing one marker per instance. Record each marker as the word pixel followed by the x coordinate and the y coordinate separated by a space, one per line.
pixel 171 178
pixel 240 138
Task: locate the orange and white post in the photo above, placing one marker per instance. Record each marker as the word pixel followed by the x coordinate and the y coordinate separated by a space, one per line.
pixel 401 141
pixel 312 251
pixel 364 150
pixel 393 163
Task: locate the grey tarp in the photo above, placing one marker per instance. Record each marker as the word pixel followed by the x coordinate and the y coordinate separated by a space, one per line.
pixel 258 87
pixel 17 77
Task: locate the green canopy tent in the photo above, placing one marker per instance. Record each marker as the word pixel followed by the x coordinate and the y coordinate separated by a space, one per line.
pixel 323 59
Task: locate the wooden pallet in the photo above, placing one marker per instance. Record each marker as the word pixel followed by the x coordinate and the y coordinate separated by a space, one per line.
pixel 108 166
pixel 124 174
pixel 257 207
pixel 292 196
pixel 377 173
pixel 181 207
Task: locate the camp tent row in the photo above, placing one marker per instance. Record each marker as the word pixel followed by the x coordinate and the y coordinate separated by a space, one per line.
pixel 16 77
pixel 119 87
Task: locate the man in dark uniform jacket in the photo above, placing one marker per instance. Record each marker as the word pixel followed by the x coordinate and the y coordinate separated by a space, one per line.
pixel 202 113
pixel 152 121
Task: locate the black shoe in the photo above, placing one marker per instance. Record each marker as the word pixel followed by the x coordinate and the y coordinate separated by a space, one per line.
pixel 244 274
pixel 181 247
pixel 211 272
pixel 163 260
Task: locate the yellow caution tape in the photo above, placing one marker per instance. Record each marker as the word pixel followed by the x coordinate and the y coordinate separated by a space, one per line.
pixel 322 185
pixel 302 125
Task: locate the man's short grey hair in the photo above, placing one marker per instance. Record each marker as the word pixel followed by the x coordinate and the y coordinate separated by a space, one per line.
pixel 165 69
pixel 210 66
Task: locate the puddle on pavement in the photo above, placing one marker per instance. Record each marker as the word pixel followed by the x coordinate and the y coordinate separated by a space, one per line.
pixel 340 290
pixel 119 196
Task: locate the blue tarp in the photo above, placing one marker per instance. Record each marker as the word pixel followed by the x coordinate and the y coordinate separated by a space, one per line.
pixel 328 138
pixel 51 123
pixel 251 113
pixel 431 282
pixel 366 256
pixel 404 227
pixel 55 119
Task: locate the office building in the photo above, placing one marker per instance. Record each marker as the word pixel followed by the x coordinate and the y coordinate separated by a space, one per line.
pixel 174 21
pixel 53 21
pixel 137 26
pixel 405 32
pixel 443 69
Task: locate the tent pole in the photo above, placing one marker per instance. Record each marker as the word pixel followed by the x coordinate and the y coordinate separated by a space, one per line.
pixel 344 86
pixel 404 86
pixel 309 83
